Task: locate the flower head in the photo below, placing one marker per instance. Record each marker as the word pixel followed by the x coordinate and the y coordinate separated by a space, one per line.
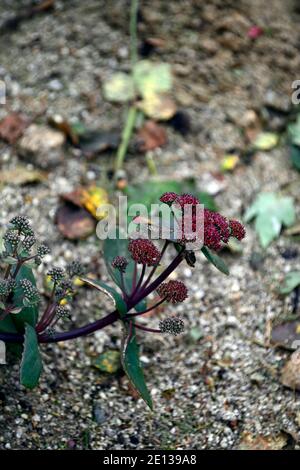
pixel 187 199
pixel 12 238
pixel 144 252
pixel 6 287
pixel 28 242
pixel 237 229
pixel 169 198
pixel 56 274
pixel 75 268
pixel 62 312
pixel 120 263
pixel 31 295
pixel 21 223
pixel 173 291
pixel 172 325
pixel 42 251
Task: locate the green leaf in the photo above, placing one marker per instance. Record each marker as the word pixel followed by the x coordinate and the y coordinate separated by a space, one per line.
pixel 119 88
pixel 215 260
pixel 295 155
pixel 28 314
pixel 291 281
pixel 150 191
pixel 132 366
pixel 119 247
pixel 294 132
pixel 31 364
pixel 150 77
pixel 119 303
pixel 7 325
pixel 271 212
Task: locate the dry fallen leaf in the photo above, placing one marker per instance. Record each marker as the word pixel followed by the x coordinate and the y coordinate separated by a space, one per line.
pixel 74 222
pixel 286 335
pixel 151 136
pixel 290 374
pixel 158 106
pixel 20 175
pixel 259 442
pixel 92 199
pixel 12 127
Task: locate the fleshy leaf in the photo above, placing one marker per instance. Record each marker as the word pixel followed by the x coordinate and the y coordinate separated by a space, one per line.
pixel 28 314
pixel 132 366
pixel 216 260
pixel 31 364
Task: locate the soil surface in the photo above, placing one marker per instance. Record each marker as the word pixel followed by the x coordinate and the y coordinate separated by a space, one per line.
pixel 217 385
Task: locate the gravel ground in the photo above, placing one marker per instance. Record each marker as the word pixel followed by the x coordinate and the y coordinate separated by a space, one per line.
pixel 211 392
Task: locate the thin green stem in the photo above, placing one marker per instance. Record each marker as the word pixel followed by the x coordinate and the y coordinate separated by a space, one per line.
pixel 126 135
pixel 132 113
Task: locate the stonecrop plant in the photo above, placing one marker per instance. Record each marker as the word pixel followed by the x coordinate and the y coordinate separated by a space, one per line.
pixel 135 267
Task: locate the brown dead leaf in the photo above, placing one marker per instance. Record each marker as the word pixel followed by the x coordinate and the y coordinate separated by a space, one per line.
pixel 290 375
pixel 74 222
pixel 12 127
pixel 20 175
pixel 287 335
pixel 151 136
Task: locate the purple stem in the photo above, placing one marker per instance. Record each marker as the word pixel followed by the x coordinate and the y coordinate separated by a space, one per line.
pixel 103 322
pixel 76 333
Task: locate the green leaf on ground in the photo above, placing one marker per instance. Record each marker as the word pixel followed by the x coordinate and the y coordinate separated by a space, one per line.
pixel 132 366
pixel 271 212
pixel 291 281
pixel 150 77
pixel 150 191
pixel 31 364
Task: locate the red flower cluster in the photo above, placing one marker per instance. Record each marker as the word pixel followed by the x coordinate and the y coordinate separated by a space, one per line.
pixel 120 263
pixel 144 252
pixel 182 200
pixel 169 198
pixel 217 229
pixel 173 291
pixel 237 229
pixel 187 199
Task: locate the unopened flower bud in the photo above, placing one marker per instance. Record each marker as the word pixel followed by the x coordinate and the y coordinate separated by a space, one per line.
pixel 172 326
pixel 120 263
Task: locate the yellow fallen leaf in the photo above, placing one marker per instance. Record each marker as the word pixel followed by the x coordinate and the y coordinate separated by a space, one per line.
pixel 158 106
pixel 229 162
pixel 92 199
pixel 266 141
